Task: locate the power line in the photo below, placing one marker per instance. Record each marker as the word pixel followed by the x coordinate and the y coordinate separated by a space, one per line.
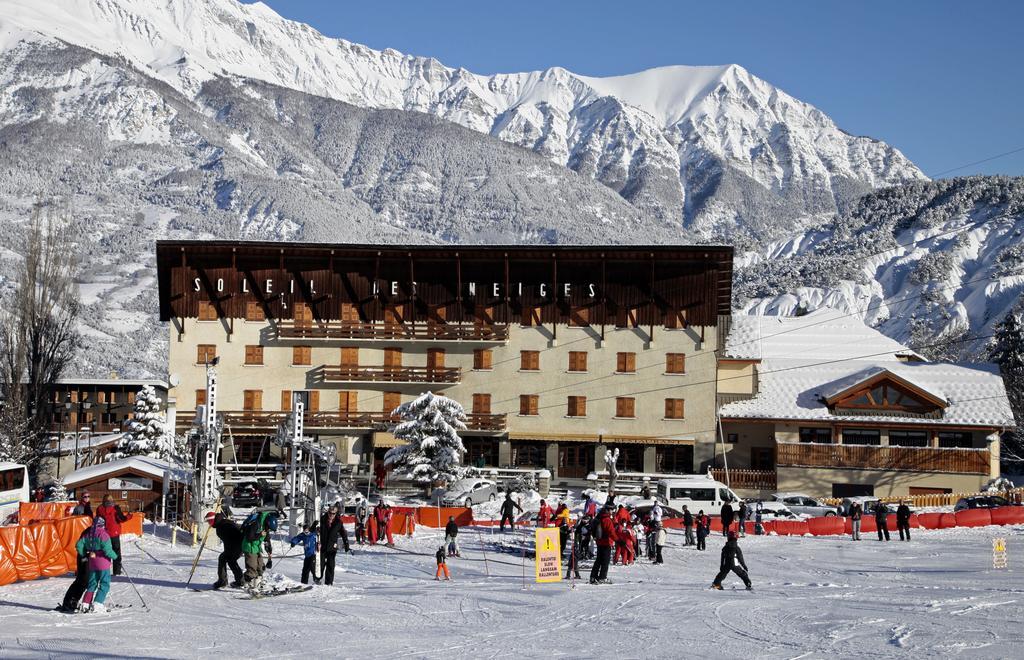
pixel 977 162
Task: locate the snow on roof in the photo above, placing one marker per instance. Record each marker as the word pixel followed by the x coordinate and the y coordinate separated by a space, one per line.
pixel 865 375
pixel 825 333
pixel 86 441
pixel 795 389
pixel 153 467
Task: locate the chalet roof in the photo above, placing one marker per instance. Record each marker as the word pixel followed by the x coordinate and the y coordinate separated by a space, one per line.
pixel 153 467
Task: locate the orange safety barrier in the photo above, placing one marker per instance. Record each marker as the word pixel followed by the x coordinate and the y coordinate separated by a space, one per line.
pixel 947 521
pixel 49 551
pixel 973 518
pixel 830 526
pixel 438 517
pixel 929 520
pixel 134 524
pixel 1008 515
pixel 8 569
pixel 23 547
pixel 69 530
pixel 30 512
pixel 791 528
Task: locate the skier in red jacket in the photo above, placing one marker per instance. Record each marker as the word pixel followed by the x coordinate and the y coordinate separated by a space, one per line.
pixel 544 515
pixel 605 536
pixel 112 518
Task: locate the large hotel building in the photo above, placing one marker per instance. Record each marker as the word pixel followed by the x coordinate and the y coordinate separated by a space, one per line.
pixel 556 353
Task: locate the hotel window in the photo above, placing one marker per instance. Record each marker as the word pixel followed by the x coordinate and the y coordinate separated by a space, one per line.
pixel 955 439
pixel 529 360
pixel 531 316
pixel 762 458
pixel 577 360
pixel 349 313
pixel 674 459
pixel 252 400
pixel 303 314
pixel 254 355
pixel 577 406
pixel 302 355
pixel 482 358
pixel 482 404
pixel 313 401
pixel 625 407
pixel 862 437
pixel 254 311
pixel 579 317
pixel 205 353
pixel 816 435
pixel 207 312
pixel 675 363
pixel 350 357
pixel 200 398
pixel 391 401
pixel 901 438
pixel 674 408
pixel 286 400
pixel 528 404
pixel 625 363
pixel 348 402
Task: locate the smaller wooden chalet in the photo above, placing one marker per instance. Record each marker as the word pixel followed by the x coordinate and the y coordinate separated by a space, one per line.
pixel 137 483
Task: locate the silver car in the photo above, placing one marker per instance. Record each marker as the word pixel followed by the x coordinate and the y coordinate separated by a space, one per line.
pixel 467 492
pixel 805 505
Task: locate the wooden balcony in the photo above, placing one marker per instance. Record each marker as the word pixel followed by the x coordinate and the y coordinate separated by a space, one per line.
pixel 360 374
pixel 748 479
pixel 338 330
pixel 913 459
pixel 486 422
pixel 266 421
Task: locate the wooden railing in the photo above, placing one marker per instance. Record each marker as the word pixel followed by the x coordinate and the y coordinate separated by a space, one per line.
pixel 486 422
pixel 402 331
pixel 259 420
pixel 867 457
pixel 347 374
pixel 747 479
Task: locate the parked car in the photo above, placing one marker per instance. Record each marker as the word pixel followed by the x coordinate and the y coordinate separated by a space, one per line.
pixel 981 502
pixel 247 494
pixel 773 511
pixel 467 492
pixel 643 507
pixel 697 492
pixel 805 504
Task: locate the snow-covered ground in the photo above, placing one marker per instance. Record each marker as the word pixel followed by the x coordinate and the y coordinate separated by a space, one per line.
pixel 814 597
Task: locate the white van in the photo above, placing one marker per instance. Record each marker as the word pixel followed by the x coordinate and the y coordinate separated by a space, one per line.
pixel 13 490
pixel 697 493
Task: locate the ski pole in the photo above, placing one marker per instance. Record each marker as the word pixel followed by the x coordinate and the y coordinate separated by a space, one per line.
pixel 132 582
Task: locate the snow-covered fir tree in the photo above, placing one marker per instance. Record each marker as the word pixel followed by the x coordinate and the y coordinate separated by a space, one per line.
pixel 1008 352
pixel 148 434
pixel 430 426
pixel 59 492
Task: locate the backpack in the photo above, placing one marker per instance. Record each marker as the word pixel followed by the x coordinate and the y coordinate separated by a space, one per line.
pixel 596 530
pixel 251 528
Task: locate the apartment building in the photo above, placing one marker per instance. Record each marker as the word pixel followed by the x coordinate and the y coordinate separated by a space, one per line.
pixel 557 353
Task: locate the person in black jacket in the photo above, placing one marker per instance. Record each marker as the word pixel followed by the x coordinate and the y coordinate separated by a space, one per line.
pixel 80 583
pixel 732 560
pixel 881 520
pixel 230 535
pixel 451 533
pixel 331 528
pixel 688 526
pixel 727 517
pixel 903 521
pixel 508 508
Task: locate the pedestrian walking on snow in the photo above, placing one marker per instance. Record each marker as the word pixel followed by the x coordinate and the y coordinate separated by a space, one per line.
pixel 903 521
pixel 882 520
pixel 231 538
pixel 703 529
pixel 96 546
pixel 451 533
pixel 732 560
pixel 688 526
pixel 331 531
pixel 856 513
pixel 603 533
pixel 442 566
pixel 508 509
pixel 727 518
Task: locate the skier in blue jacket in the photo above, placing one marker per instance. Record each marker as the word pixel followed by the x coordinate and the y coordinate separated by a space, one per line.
pixel 310 541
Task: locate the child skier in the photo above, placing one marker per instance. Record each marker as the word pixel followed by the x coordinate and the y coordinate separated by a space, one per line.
pixel 703 529
pixel 442 567
pixel 96 546
pixel 309 539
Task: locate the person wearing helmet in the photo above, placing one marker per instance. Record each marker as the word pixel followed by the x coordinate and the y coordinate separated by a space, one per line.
pixel 231 538
pixel 732 560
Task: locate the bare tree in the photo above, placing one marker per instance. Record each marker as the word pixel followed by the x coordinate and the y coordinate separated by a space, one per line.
pixel 38 334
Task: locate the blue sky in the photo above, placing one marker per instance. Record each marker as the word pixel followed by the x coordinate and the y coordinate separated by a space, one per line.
pixel 940 80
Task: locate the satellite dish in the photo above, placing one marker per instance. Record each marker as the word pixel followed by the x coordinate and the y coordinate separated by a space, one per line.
pixel 174 380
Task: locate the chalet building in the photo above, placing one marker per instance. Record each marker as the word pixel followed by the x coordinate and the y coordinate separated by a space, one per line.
pixel 78 405
pixel 557 353
pixel 826 405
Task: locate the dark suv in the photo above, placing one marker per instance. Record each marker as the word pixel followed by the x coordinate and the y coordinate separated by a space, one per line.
pixel 247 494
pixel 980 502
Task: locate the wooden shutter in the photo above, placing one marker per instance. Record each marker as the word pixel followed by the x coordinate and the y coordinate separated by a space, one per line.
pixel 482 358
pixel 579 317
pixel 303 314
pixel 200 398
pixel 391 401
pixel 207 311
pixel 253 354
pixel 625 363
pixel 350 357
pixel 531 316
pixel 392 357
pixel 625 407
pixel 349 313
pixel 674 408
pixel 482 404
pixel 286 400
pixel 392 315
pixel 205 353
pixel 302 355
pixel 675 363
pixel 577 406
pixel 626 317
pixel 528 404
pixel 577 360
pixel 348 402
pixel 252 400
pixel 254 311
pixel 314 401
pixel 435 358
pixel 529 360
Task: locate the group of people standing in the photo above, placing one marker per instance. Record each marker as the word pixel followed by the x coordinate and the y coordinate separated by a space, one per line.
pixel 881 513
pixel 373 526
pixel 98 554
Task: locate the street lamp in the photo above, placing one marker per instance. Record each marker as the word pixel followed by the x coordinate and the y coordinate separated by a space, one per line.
pixel 67 416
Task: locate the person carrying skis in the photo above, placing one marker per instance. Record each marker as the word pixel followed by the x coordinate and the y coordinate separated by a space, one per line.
pixel 451 532
pixel 96 546
pixel 442 566
pixel 231 538
pixel 903 520
pixel 732 560
pixel 882 520
pixel 688 526
pixel 703 529
pixel 112 518
pixel 544 515
pixel 310 543
pixel 508 508
pixel 362 515
pixel 255 533
pixel 856 512
pixel 331 529
pixel 727 518
pixel 603 532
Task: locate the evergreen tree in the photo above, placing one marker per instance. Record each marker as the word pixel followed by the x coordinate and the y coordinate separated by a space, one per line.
pixel 59 493
pixel 147 433
pixel 430 427
pixel 1008 352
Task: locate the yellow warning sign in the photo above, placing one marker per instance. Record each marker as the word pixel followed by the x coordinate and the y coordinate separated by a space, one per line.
pixel 999 558
pixel 548 560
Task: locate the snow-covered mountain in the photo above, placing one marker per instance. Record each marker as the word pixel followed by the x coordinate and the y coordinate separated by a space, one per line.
pixel 713 148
